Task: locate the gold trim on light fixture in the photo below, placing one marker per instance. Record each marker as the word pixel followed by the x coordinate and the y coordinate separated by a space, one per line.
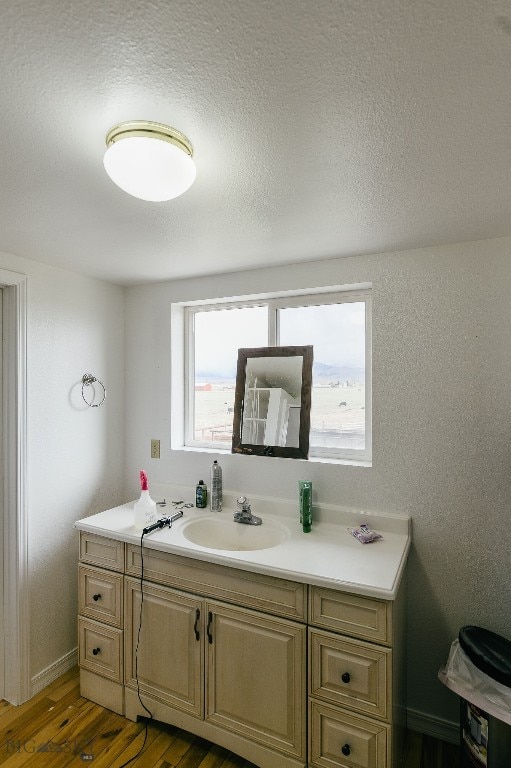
pixel 151 131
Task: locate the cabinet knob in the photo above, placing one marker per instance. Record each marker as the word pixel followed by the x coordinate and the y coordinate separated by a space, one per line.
pixel 95 651
pixel 96 597
pixel 345 677
pixel 345 749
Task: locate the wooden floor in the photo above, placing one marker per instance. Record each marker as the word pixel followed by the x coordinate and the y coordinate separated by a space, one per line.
pixel 59 728
pixel 427 752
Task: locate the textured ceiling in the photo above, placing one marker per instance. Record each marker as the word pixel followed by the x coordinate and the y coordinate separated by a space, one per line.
pixel 321 129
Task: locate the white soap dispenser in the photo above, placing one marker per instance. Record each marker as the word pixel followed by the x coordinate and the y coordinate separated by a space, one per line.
pixel 145 507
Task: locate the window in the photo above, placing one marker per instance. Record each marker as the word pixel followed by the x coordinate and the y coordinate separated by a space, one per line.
pixel 337 324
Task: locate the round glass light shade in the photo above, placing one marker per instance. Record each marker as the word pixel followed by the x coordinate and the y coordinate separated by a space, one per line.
pixel 149 160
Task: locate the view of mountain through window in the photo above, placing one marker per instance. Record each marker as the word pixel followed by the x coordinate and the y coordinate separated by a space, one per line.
pixel 337 333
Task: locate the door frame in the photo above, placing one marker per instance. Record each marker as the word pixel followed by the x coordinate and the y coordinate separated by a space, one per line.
pixel 16 607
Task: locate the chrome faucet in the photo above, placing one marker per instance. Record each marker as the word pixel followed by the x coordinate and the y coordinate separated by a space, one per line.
pixel 244 513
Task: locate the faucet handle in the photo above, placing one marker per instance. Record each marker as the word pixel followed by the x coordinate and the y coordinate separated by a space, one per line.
pixel 243 503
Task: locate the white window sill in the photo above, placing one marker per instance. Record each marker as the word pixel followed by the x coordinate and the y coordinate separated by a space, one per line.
pixel 311 459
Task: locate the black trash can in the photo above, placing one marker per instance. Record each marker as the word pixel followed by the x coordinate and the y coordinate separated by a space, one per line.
pixel 479 670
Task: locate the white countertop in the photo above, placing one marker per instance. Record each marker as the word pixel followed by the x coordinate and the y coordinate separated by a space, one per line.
pixel 328 556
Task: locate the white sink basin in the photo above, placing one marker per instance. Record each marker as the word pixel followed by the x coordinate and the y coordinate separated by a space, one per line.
pixel 224 534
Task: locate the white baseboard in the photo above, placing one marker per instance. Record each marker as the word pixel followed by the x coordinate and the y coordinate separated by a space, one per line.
pixel 55 670
pixel 445 730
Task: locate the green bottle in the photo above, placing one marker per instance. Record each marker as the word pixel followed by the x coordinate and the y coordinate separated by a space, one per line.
pixel 305 491
pixel 201 495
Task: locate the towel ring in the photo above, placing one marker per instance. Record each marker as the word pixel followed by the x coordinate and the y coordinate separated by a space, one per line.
pixel 87 380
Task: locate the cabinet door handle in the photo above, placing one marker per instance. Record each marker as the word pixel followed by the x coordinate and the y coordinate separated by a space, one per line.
pixel 96 597
pixel 196 625
pixel 95 651
pixel 345 677
pixel 208 630
pixel 346 750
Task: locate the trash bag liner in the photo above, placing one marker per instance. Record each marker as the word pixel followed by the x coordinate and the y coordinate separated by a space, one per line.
pixel 463 677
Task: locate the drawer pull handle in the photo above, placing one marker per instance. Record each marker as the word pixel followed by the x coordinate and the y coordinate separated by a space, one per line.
pixel 196 625
pixel 96 597
pixel 95 651
pixel 346 750
pixel 345 677
pixel 208 630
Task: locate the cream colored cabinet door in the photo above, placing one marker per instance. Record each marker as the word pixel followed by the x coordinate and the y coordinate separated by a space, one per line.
pixel 169 661
pixel 256 677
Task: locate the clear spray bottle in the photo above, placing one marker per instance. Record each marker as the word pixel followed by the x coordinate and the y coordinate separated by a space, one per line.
pixel 145 507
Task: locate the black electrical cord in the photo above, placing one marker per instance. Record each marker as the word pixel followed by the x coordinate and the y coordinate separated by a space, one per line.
pixel 140 624
pixel 147 721
pixel 159 524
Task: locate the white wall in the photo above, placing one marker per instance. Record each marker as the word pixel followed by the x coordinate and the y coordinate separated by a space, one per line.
pixel 441 422
pixel 75 325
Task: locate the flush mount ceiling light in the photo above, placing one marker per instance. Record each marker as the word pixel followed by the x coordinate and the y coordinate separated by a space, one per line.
pixel 149 160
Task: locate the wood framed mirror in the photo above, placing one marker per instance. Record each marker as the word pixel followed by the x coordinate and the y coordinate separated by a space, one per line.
pixel 272 402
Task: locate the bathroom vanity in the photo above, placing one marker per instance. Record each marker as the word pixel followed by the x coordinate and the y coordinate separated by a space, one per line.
pixel 290 655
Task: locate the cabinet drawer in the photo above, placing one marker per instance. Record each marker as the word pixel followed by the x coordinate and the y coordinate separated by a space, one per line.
pixel 98 550
pixel 253 590
pixel 100 595
pixel 342 740
pixel 364 617
pixel 100 649
pixel 350 673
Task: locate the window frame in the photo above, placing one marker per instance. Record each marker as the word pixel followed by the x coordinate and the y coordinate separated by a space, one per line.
pixel 183 315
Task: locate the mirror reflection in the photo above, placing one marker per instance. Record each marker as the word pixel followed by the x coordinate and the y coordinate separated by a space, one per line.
pixel 272 403
pixel 273 389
